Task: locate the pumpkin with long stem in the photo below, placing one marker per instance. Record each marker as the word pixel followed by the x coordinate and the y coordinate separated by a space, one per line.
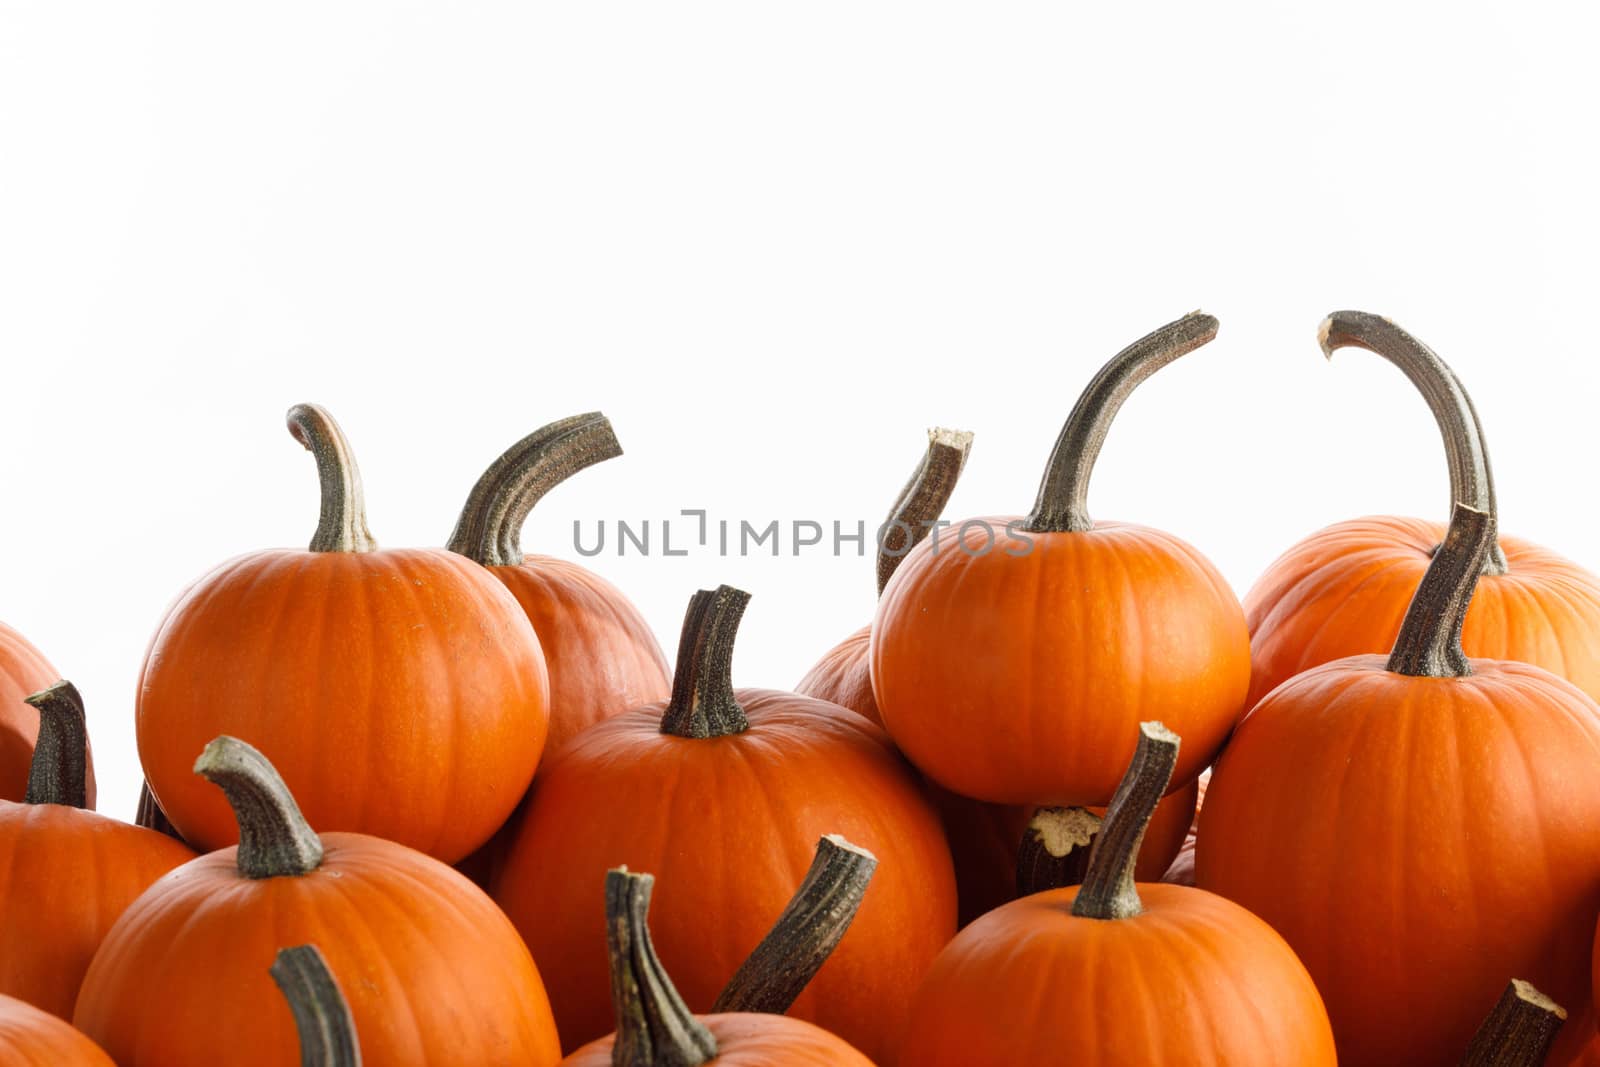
pixel 1518 1032
pixel 32 1037
pixel 655 1027
pixel 321 1014
pixel 433 971
pixel 68 872
pixel 401 692
pixel 1343 591
pixel 1417 827
pixel 1114 972
pixel 1013 659
pixel 723 792
pixel 24 670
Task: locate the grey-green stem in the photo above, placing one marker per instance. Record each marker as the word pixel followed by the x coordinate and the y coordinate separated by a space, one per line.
pixel 1518 1032
pixel 1055 849
pixel 151 816
pixel 342 525
pixel 489 529
pixel 1429 645
pixel 922 501
pixel 703 704
pixel 654 1026
pixel 274 838
pixel 59 772
pixel 1062 506
pixel 806 933
pixel 1108 890
pixel 1466 451
pixel 321 1014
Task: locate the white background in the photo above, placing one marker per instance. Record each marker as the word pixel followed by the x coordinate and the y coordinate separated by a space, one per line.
pixel 773 243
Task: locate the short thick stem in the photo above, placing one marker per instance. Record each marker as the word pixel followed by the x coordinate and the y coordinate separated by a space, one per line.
pixel 1518 1032
pixel 489 529
pixel 1108 890
pixel 1055 849
pixel 274 838
pixel 1429 645
pixel 922 501
pixel 805 935
pixel 654 1026
pixel 59 773
pixel 703 704
pixel 1466 452
pixel 321 1015
pixel 342 526
pixel 151 816
pixel 1062 505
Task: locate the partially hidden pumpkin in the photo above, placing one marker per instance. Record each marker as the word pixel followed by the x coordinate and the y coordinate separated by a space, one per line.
pixel 24 670
pixel 30 1037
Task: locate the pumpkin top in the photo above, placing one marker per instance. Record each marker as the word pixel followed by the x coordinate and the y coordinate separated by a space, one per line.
pixel 1108 890
pixel 489 529
pixel 654 1025
pixel 342 525
pixel 1518 1032
pixel 274 838
pixel 1062 506
pixel 702 703
pixel 321 1015
pixel 922 501
pixel 59 771
pixel 1429 644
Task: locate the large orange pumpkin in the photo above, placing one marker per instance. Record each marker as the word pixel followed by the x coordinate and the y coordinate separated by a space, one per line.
pixel 1013 658
pixel 1343 591
pixel 24 670
pixel 434 972
pixel 723 793
pixel 402 692
pixel 1113 973
pixel 66 873
pixel 1418 828
pixel 30 1037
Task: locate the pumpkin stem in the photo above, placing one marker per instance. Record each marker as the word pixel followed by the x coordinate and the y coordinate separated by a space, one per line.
pixel 489 529
pixel 1062 506
pixel 321 1016
pixel 654 1026
pixel 1518 1032
pixel 1055 849
pixel 1108 891
pixel 703 704
pixel 1429 645
pixel 805 935
pixel 1466 451
pixel 274 838
pixel 922 501
pixel 151 816
pixel 342 526
pixel 59 771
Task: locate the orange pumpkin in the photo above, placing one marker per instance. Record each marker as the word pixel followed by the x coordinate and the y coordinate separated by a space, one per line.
pixel 402 692
pixel 434 972
pixel 1181 872
pixel 24 670
pixel 1418 828
pixel 67 872
pixel 1013 658
pixel 30 1037
pixel 723 793
pixel 1113 973
pixel 321 1014
pixel 1343 591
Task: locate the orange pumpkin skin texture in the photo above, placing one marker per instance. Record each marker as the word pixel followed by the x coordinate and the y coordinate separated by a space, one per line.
pixel 23 670
pixel 750 1040
pixel 30 1037
pixel 843 676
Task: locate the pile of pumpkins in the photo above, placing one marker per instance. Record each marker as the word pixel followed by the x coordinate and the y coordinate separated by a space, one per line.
pixel 1065 800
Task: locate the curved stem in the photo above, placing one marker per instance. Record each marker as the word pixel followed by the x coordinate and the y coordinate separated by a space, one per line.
pixel 654 1026
pixel 1466 452
pixel 59 771
pixel 805 935
pixel 1055 849
pixel 1108 891
pixel 321 1015
pixel 342 526
pixel 1062 506
pixel 922 501
pixel 274 838
pixel 151 816
pixel 489 529
pixel 1518 1032
pixel 703 704
pixel 1429 645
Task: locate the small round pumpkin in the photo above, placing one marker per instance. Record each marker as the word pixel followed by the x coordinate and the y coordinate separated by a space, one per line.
pixel 30 1037
pixel 24 670
pixel 402 692
pixel 1012 659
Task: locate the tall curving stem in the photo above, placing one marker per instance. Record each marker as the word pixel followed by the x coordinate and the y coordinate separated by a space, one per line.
pixel 275 841
pixel 654 1026
pixel 321 1014
pixel 1518 1032
pixel 1466 452
pixel 1108 890
pixel 489 529
pixel 923 499
pixel 703 704
pixel 1062 506
pixel 342 525
pixel 59 771
pixel 1429 644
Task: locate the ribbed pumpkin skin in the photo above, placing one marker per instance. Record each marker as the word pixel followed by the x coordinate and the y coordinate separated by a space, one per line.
pixel 400 693
pixel 1194 980
pixel 30 1037
pixel 843 676
pixel 748 1040
pixel 1023 679
pixel 1343 591
pixel 65 876
pixel 23 672
pixel 728 826
pixel 432 971
pixel 1415 840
